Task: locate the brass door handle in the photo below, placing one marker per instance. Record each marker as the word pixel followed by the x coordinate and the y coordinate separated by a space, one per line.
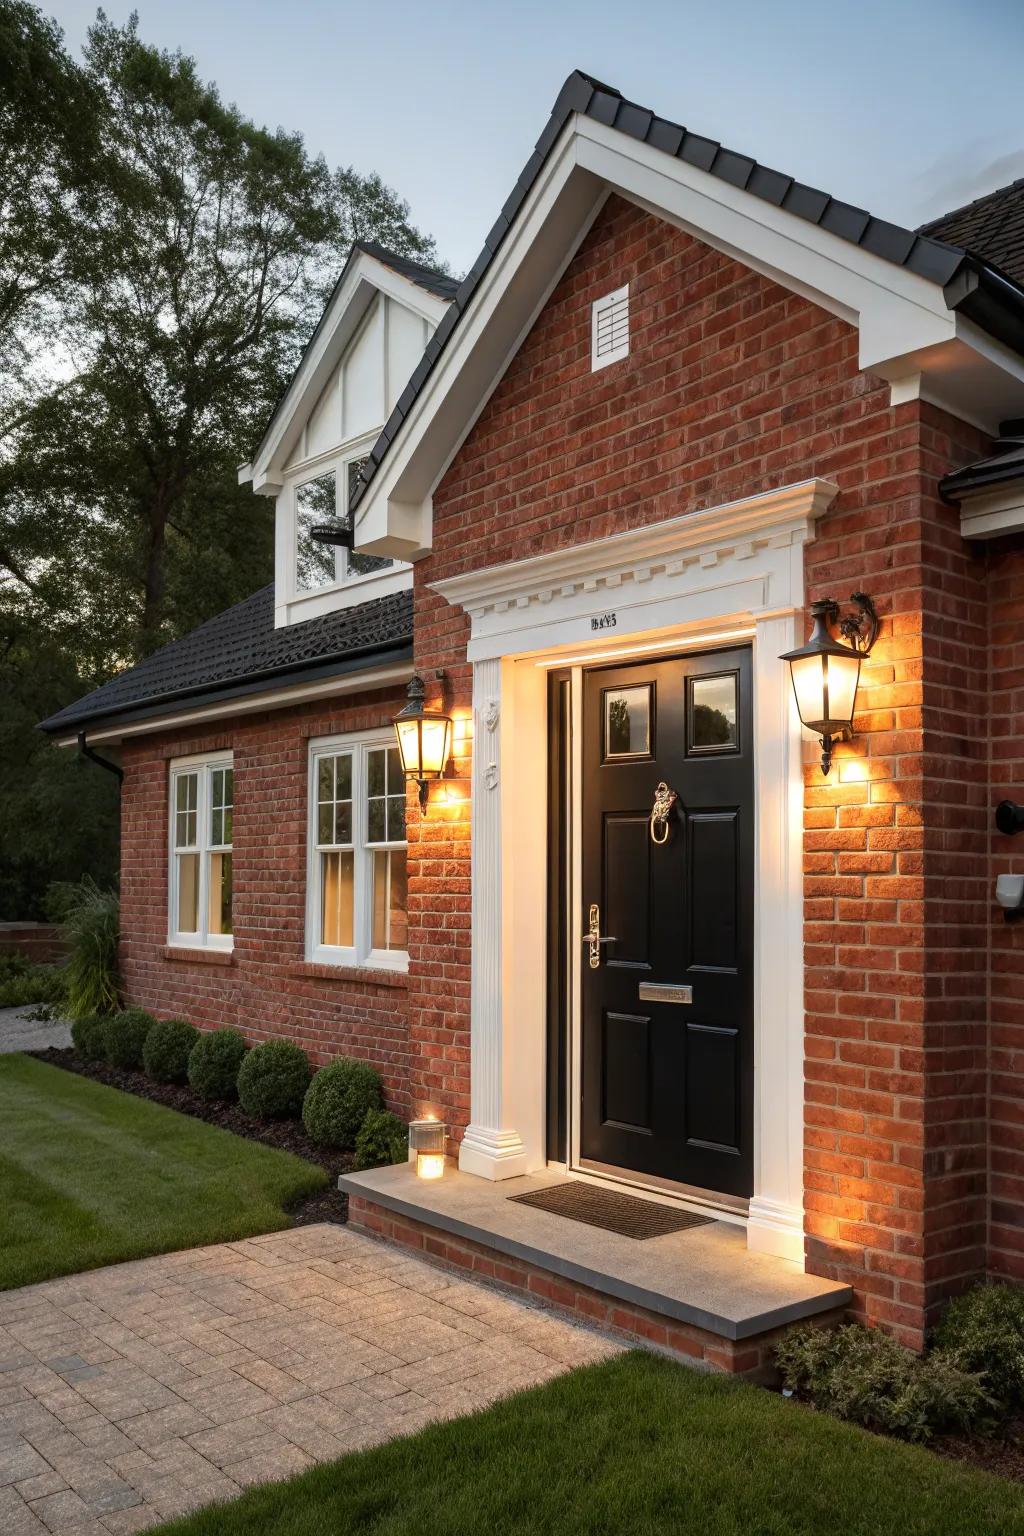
pixel 594 937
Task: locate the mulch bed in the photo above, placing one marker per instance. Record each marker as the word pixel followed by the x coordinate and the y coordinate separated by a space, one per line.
pixel 286 1135
pixel 1004 1456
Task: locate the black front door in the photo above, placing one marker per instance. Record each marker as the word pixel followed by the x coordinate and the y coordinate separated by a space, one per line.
pixel 667 995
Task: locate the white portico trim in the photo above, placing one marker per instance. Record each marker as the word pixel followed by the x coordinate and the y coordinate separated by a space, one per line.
pixel 690 580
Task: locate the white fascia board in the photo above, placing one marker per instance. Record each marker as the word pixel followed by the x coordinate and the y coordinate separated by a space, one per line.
pixel 345 311
pixel 372 680
pixel 993 513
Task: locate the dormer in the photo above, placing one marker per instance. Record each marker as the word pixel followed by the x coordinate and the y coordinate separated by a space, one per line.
pixel 373 332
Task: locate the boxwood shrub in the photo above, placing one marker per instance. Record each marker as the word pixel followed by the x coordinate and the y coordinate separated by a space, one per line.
pixel 87 1037
pixel 383 1138
pixel 983 1330
pixel 864 1375
pixel 273 1079
pixel 124 1037
pixel 339 1099
pixel 214 1061
pixel 167 1049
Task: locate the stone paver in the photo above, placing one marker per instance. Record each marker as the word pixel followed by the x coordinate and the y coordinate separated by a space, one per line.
pixel 19 1033
pixel 134 1394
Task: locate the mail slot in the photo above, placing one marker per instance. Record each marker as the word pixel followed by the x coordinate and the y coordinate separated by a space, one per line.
pixel 653 992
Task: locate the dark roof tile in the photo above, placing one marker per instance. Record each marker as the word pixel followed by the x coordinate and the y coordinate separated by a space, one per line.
pixel 992 227
pixel 241 645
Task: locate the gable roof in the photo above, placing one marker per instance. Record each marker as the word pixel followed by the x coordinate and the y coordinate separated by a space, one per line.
pixel 240 651
pixel 991 226
pixel 970 285
pixel 356 287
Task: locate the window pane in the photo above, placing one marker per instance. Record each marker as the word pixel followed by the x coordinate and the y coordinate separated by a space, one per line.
pixel 627 721
pixel 396 818
pixel 325 779
pixel 187 791
pixel 185 829
pixel 220 893
pixel 325 824
pixel 188 893
pixel 336 871
pixel 343 821
pixel 343 787
pixel 216 828
pixel 713 714
pixel 376 827
pixel 314 562
pixel 390 925
pixel 360 564
pixel 376 767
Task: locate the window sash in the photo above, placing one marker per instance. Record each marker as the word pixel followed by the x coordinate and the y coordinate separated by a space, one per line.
pixel 200 873
pixel 324 871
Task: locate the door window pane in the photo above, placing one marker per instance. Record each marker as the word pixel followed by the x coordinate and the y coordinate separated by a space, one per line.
pixel 627 721
pixel 712 714
pixel 315 502
pixel 390 895
pixel 188 893
pixel 336 899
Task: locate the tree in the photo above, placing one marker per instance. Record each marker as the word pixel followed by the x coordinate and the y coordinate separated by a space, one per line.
pixel 163 261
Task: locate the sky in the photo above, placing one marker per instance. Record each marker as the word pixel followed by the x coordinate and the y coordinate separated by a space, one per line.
pixel 905 107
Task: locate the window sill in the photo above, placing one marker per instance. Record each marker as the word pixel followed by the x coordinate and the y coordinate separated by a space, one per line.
pixel 368 976
pixel 199 956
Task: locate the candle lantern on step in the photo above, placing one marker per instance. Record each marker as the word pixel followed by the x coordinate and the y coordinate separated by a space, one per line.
pixel 427 1141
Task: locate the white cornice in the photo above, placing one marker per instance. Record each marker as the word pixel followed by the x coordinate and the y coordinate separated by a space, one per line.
pixel 667 548
pixel 993 513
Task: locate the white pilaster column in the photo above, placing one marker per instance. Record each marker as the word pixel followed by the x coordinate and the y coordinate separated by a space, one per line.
pixel 776 1210
pixel 491 1147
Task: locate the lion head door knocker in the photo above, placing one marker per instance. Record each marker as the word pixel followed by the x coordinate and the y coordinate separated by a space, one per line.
pixel 661 813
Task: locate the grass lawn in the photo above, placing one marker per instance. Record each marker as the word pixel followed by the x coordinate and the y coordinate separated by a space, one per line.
pixel 637 1447
pixel 90 1175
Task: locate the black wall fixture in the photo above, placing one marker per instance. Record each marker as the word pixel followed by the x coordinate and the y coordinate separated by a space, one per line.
pixel 1009 817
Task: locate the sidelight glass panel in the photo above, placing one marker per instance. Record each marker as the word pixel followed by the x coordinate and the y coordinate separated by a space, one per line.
pixel 712 714
pixel 627 721
pixel 336 906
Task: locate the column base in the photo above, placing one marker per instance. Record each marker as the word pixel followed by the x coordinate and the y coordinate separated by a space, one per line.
pixel 776 1228
pixel 492 1154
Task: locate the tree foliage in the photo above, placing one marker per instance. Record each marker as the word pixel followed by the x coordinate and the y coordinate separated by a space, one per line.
pixel 163 261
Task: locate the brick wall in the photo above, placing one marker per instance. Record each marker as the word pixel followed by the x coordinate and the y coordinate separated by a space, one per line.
pixel 264 987
pixel 734 386
pixel 1006 952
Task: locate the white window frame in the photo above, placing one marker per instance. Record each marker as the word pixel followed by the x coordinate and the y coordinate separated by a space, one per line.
pixel 598 308
pixel 359 744
pixel 203 766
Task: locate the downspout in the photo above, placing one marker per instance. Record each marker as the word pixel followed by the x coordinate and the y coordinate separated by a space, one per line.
pixel 104 762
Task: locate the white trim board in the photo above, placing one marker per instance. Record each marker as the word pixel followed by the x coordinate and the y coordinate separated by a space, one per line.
pixel 741 567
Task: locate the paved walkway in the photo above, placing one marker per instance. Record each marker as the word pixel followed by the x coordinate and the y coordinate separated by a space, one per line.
pixel 18 1033
pixel 133 1394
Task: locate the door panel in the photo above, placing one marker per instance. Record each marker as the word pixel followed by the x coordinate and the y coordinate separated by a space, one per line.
pixel 667 1087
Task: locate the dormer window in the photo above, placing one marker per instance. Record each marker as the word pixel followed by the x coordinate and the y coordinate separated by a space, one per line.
pixel 323 531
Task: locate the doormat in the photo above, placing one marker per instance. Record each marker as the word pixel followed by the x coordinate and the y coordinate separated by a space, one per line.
pixel 613 1212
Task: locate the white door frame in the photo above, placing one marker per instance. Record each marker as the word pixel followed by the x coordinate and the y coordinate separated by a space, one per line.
pixel 700 579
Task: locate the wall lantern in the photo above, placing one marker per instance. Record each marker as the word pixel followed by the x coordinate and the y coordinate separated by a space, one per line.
pixel 826 671
pixel 424 737
pixel 427 1141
